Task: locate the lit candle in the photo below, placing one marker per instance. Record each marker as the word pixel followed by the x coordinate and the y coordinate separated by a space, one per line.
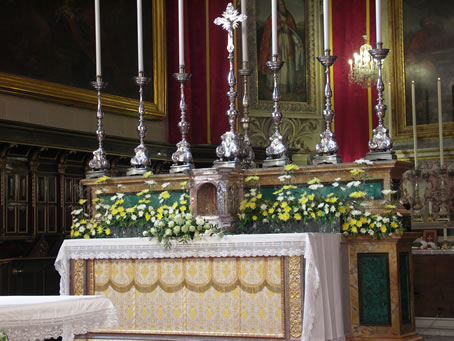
pixel 440 124
pixel 98 39
pixel 244 33
pixel 413 115
pixel 378 20
pixel 445 233
pixel 181 32
pixel 274 27
pixel 390 111
pixel 326 24
pixel 140 35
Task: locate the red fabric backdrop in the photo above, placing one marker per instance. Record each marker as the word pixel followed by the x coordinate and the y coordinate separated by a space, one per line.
pixel 350 100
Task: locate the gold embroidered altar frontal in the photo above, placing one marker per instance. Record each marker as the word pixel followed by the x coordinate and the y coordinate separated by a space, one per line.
pixel 198 296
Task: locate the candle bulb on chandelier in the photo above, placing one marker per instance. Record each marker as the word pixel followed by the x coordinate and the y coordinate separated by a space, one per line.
pixel 378 20
pixel 326 24
pixel 274 37
pixel 440 124
pixel 413 114
pixel 244 48
pixel 98 40
pixel 140 36
pixel 181 33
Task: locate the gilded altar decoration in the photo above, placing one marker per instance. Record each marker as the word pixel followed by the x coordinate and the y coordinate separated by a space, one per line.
pixel 78 277
pixel 295 290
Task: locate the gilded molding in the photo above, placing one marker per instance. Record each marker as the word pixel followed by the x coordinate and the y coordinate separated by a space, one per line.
pixel 295 305
pixel 91 276
pixel 78 276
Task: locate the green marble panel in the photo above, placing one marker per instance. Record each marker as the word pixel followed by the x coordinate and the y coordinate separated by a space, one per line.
pixel 404 273
pixel 373 289
pixel 131 199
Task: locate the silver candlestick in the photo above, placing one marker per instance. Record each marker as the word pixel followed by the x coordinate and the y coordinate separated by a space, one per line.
pixel 327 148
pixel 228 151
pixel 99 165
pixel 247 154
pixel 381 144
pixel 140 161
pixel 276 152
pixel 182 158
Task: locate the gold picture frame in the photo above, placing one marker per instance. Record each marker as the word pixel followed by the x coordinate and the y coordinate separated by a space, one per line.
pixel 72 96
pixel 401 94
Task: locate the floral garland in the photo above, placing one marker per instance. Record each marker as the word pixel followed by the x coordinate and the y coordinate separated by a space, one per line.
pixel 295 204
pixel 171 221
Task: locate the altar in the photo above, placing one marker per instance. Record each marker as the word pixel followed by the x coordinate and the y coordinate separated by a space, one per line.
pixel 276 286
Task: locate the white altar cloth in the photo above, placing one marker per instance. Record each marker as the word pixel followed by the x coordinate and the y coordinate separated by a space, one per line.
pixel 326 312
pixel 26 318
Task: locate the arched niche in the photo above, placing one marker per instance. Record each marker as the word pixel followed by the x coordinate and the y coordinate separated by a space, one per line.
pixel 207 202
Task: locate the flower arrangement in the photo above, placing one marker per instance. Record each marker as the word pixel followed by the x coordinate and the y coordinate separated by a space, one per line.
pixel 3 336
pixel 315 203
pixel 169 219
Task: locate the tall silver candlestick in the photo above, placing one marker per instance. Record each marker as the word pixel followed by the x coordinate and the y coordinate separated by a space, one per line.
pixel 327 148
pixel 140 161
pixel 99 165
pixel 276 152
pixel 247 154
pixel 381 144
pixel 182 158
pixel 228 151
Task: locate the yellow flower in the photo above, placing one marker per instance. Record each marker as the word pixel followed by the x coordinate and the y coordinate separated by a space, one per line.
pixel 83 222
pixel 251 178
pixel 183 183
pixel 86 236
pixel 284 216
pixel 148 174
pixel 131 209
pixel 291 167
pixel 345 226
pixel 359 223
pixel 311 197
pixel 183 202
pixel 76 234
pixel 286 187
pixel 271 210
pixel 314 181
pixel 175 205
pixel 284 204
pixel 394 224
pixel 102 179
pixel 182 208
pixel 121 209
pixel 82 201
pixel 107 231
pixel 383 228
pixel 354 229
pixel 254 217
pixel 114 211
pixel 363 220
pixel 265 213
pixel 297 216
pixel 390 207
pixel 313 215
pixel 303 200
pixel 99 230
pixel 275 204
pixel 342 209
pixel 353 221
pixel 259 196
pixel 287 209
pixel 243 205
pixel 251 205
pixel 357 195
pixel 123 213
pixel 159 216
pixel 356 171
pixel 372 225
pixel 331 200
pixel 319 213
pixel 165 195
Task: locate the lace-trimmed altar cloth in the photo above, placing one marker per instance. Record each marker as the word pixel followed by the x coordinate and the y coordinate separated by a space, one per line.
pixel 326 288
pixel 25 318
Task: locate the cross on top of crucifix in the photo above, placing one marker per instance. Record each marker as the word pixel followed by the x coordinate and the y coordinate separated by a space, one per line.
pixel 229 21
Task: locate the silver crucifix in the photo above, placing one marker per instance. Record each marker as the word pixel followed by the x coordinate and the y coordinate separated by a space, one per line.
pixel 229 151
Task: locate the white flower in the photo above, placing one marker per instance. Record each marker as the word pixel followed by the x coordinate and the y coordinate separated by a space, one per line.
pixel 315 186
pixel 337 179
pixel 282 178
pixel 326 210
pixel 335 184
pixel 192 228
pixel 199 220
pixel 98 215
pixel 208 233
pixel 77 212
pixel 120 195
pixel 253 191
pixel 354 184
pixel 379 224
pixel 291 198
pixel 385 220
pixel 153 231
pixel 161 224
pixel 184 229
pixel 141 207
pixel 97 206
pixel 77 224
pixel 265 221
pixel 379 218
pixel 168 232
pixel 398 214
pixel 321 205
pixel 364 162
pixel 171 223
pixel 120 186
pixel 388 191
pixel 140 213
pixel 93 232
pixel 355 212
pixel 333 209
pixel 342 189
pixel 263 207
pixel 188 216
pixel 98 191
pixel 280 198
pixel 150 182
pixel 165 184
pixel 147 196
pixel 367 213
pixel 363 230
pixel 371 232
pixel 81 229
pixel 145 233
pixel 176 229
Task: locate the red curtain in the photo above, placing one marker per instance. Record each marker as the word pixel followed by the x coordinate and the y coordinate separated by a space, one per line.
pixel 350 100
pixel 207 118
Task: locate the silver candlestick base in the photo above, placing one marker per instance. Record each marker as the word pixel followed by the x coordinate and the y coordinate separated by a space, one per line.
pixel 276 152
pixel 381 144
pixel 182 158
pixel 246 153
pixel 99 165
pixel 140 161
pixel 228 152
pixel 327 148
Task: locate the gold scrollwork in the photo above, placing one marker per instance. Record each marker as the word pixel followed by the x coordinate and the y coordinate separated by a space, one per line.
pixel 78 276
pixel 294 283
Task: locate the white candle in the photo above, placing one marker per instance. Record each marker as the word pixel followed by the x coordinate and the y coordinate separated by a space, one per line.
pixel 440 124
pixel 181 33
pixel 140 35
pixel 326 24
pixel 274 27
pixel 445 233
pixel 98 39
pixel 244 33
pixel 378 20
pixel 390 111
pixel 413 115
